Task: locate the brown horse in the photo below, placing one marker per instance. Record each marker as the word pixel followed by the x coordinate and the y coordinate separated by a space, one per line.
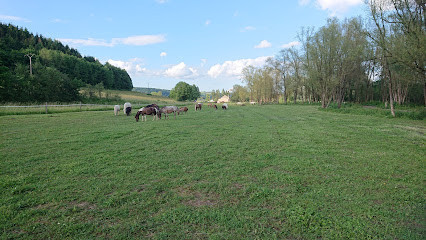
pixel 215 107
pixel 198 106
pixel 154 106
pixel 146 111
pixel 183 109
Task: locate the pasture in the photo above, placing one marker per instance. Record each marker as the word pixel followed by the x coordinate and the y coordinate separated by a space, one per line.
pixel 274 171
pixel 125 96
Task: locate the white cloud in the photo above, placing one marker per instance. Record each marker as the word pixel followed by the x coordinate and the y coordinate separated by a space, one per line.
pixel 181 71
pixel 248 28
pixel 263 44
pixel 13 18
pixel 85 42
pixel 140 40
pixel 208 22
pixel 134 40
pixel 334 7
pixel 132 66
pixel 123 65
pixel 161 1
pixel 140 69
pixel 304 2
pixel 290 44
pixel 163 54
pixel 235 68
pixel 203 62
pixel 337 6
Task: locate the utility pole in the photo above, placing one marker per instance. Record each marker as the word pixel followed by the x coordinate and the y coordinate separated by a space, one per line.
pixel 30 55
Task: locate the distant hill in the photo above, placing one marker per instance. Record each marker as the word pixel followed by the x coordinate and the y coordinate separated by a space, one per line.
pixel 57 73
pixel 164 92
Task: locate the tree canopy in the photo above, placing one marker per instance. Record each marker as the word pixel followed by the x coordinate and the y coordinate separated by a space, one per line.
pixel 183 91
pixel 58 71
pixel 350 60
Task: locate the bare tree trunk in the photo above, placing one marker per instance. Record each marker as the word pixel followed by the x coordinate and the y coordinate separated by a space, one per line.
pixel 295 96
pixel 323 100
pixel 390 91
pixel 391 101
pixel 424 92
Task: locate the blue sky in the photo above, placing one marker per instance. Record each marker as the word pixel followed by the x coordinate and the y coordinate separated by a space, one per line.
pixel 162 42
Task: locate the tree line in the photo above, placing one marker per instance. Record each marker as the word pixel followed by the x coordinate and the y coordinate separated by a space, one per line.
pixel 153 91
pixel 215 94
pixel 35 68
pixel 382 59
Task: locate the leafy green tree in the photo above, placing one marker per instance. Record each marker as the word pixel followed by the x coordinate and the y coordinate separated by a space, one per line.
pixel 183 91
pixel 8 88
pixel 240 93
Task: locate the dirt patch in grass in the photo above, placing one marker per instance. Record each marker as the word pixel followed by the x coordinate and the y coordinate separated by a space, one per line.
pixel 141 188
pixel 83 205
pixel 44 206
pixel 196 198
pixel 200 201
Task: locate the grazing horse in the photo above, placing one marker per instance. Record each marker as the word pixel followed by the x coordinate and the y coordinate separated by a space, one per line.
pixel 158 114
pixel 116 109
pixel 168 109
pixel 154 106
pixel 146 111
pixel 127 108
pixel 197 106
pixel 183 109
pixel 215 107
pixel 225 106
pixel 209 105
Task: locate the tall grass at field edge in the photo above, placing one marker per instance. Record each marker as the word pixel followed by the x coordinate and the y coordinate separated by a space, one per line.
pixel 407 112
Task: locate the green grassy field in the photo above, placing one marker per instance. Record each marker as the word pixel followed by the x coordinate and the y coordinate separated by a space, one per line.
pixel 254 172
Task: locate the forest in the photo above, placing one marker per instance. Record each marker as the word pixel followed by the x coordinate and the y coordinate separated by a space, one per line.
pixel 34 68
pixel 351 60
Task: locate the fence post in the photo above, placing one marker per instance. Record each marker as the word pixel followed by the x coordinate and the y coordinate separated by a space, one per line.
pixel 46 107
pixel 80 106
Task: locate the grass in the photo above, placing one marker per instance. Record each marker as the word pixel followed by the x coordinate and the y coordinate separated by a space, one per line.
pixel 378 109
pixel 254 172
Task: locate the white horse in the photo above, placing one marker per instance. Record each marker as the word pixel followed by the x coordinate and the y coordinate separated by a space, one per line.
pixel 127 108
pixel 169 109
pixel 116 109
